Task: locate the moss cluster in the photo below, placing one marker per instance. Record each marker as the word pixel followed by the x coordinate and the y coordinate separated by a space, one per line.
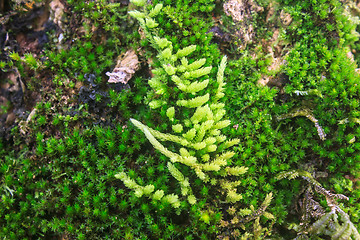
pixel 297 147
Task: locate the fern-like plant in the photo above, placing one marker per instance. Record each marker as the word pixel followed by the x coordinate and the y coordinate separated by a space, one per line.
pixel 201 146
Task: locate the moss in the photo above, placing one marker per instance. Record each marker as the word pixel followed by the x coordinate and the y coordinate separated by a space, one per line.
pixel 58 162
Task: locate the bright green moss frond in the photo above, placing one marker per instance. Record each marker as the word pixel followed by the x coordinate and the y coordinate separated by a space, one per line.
pixel 180 84
pixel 186 51
pixel 195 102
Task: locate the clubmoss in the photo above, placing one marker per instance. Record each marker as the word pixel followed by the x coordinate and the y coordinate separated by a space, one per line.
pixel 60 155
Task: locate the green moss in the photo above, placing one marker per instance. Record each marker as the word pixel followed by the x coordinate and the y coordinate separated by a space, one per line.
pixel 57 170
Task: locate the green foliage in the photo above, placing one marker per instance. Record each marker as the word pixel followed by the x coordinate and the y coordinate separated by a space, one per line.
pixel 84 57
pixel 54 203
pixel 185 23
pixel 318 62
pixel 267 146
pixel 262 148
pixel 78 61
pixel 58 167
pixel 203 136
pixel 200 115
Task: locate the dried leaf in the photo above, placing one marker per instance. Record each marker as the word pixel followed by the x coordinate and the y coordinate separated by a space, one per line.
pixel 125 68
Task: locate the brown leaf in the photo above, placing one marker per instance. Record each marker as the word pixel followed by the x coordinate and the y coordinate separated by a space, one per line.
pixel 125 68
